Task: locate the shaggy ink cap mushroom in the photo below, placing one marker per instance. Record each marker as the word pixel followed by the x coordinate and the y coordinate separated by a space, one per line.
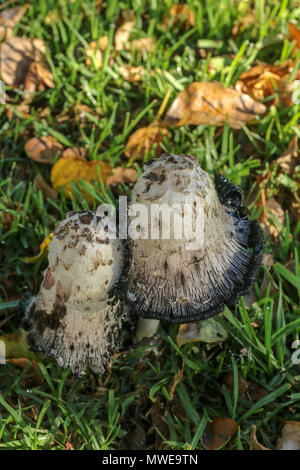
pixel 75 317
pixel 167 281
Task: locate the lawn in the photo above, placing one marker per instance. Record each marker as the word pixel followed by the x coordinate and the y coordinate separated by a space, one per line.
pixel 157 395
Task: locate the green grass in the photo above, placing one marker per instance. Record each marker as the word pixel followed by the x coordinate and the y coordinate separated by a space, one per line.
pixel 100 413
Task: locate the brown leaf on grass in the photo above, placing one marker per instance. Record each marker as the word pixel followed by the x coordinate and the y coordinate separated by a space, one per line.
pixel 43 149
pixel 294 33
pixel 121 175
pixel 71 167
pixel 264 80
pixel 9 19
pixel 19 110
pixel 218 432
pixel 40 184
pixel 273 217
pixel 243 22
pixel 142 45
pixel 94 55
pixel 290 157
pixel 142 141
pixel 35 376
pixel 254 444
pixel 16 55
pixel 181 14
pixel 212 103
pixel 131 73
pixel 228 381
pixel 290 436
pixel 36 78
pixel 122 35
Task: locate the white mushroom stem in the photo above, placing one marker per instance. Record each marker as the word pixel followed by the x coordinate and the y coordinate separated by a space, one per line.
pixel 146 328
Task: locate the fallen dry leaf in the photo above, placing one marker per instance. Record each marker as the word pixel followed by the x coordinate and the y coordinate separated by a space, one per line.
pixel 16 55
pixel 228 381
pixel 207 331
pixel 142 141
pixel 121 175
pixel 40 184
pixel 290 437
pixel 218 432
pixel 9 19
pixel 290 157
pixel 122 35
pixel 34 372
pixel 37 76
pixel 181 14
pixel 272 208
pixel 294 33
pixel 94 55
pixel 264 80
pixel 43 248
pixel 43 149
pixel 142 45
pixel 131 73
pixel 212 103
pixel 71 167
pixel 254 444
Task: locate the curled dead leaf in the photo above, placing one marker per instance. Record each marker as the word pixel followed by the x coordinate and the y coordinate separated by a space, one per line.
pixel 264 80
pixel 212 103
pixel 43 149
pixel 290 157
pixel 217 433
pixel 181 13
pixel 131 73
pixel 143 45
pixel 294 33
pixel 207 331
pixel 73 168
pixel 122 35
pixel 9 19
pixel 94 55
pixel 121 175
pixel 274 218
pixel 290 436
pixel 16 55
pixel 40 184
pixel 142 141
pixel 43 248
pixel 254 444
pixel 34 374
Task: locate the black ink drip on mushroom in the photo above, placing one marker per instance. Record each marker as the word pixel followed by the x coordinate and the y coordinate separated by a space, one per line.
pixel 167 281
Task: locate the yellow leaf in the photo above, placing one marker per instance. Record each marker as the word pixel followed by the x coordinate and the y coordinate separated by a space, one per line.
pixel 43 247
pixel 73 168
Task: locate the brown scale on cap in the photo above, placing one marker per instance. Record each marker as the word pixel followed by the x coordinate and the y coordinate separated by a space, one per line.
pixel 75 317
pixel 165 280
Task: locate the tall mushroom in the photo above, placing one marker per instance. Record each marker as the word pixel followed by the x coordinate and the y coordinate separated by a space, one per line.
pixel 165 280
pixel 75 317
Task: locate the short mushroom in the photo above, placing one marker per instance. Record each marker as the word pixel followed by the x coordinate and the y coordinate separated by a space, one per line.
pixel 75 317
pixel 165 280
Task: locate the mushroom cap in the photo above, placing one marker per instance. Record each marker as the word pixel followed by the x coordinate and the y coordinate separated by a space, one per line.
pixel 165 280
pixel 75 317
